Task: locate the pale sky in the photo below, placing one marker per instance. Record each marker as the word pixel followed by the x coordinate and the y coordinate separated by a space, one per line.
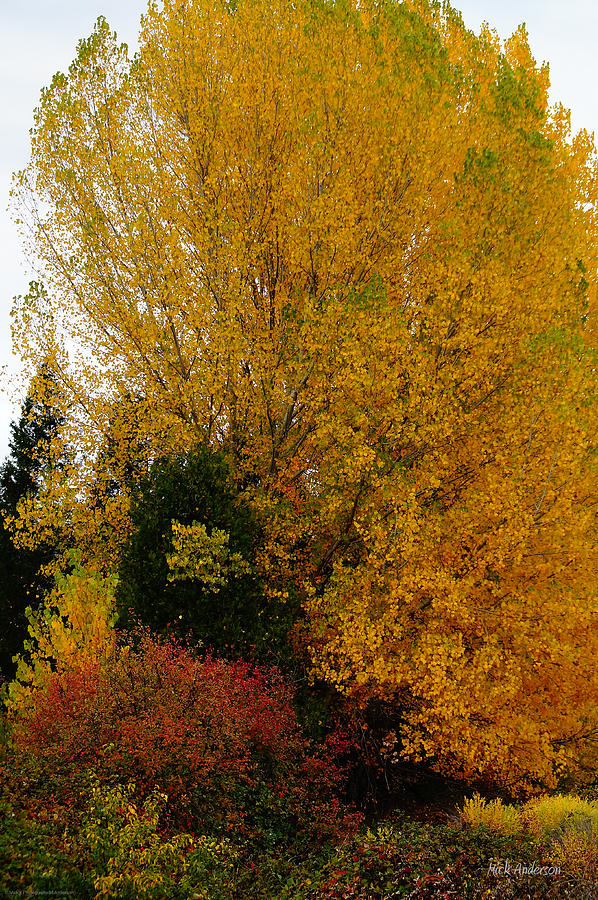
pixel 40 37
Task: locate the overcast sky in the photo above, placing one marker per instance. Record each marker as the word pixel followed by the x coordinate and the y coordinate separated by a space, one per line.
pixel 40 37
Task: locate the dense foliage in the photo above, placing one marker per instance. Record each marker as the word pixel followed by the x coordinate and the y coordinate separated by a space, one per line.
pixel 221 739
pixel 351 246
pixel 320 320
pixel 119 849
pixel 227 611
pixel 142 769
pixel 311 447
pixel 70 632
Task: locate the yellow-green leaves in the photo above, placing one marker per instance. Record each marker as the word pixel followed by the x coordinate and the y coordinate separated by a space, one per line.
pixel 73 630
pixel 206 557
pixel 131 856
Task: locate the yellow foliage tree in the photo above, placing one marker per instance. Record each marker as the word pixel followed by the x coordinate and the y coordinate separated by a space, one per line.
pixel 351 244
pixel 71 632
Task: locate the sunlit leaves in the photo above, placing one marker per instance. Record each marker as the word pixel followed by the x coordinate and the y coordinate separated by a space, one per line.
pixel 351 245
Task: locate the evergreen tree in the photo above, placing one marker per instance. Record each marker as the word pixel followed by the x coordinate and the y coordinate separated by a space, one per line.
pixel 236 618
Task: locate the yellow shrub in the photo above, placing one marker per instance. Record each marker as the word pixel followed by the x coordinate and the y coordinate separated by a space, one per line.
pixel 563 812
pixel 493 814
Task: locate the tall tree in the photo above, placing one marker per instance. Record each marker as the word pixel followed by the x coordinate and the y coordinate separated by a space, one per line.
pixel 350 244
pixel 21 582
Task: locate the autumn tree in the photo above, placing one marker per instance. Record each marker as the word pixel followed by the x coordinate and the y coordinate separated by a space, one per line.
pixel 352 246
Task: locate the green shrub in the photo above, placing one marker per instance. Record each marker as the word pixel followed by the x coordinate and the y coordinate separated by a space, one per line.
pixel 39 855
pixel 133 860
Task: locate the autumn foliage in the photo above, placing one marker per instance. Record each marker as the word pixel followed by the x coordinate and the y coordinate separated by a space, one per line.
pixel 353 247
pixel 220 739
pixel 72 631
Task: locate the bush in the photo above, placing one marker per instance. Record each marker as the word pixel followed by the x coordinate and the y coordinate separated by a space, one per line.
pixel 73 632
pixel 132 860
pixel 37 854
pixel 408 860
pixel 492 814
pixel 576 851
pixel 564 829
pixel 220 738
pixel 548 817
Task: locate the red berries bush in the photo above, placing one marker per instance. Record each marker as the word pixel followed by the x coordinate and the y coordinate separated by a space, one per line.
pixel 220 738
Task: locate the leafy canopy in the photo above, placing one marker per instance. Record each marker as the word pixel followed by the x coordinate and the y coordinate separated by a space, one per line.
pixel 351 245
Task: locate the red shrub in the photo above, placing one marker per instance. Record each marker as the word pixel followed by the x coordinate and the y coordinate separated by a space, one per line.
pixel 220 738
